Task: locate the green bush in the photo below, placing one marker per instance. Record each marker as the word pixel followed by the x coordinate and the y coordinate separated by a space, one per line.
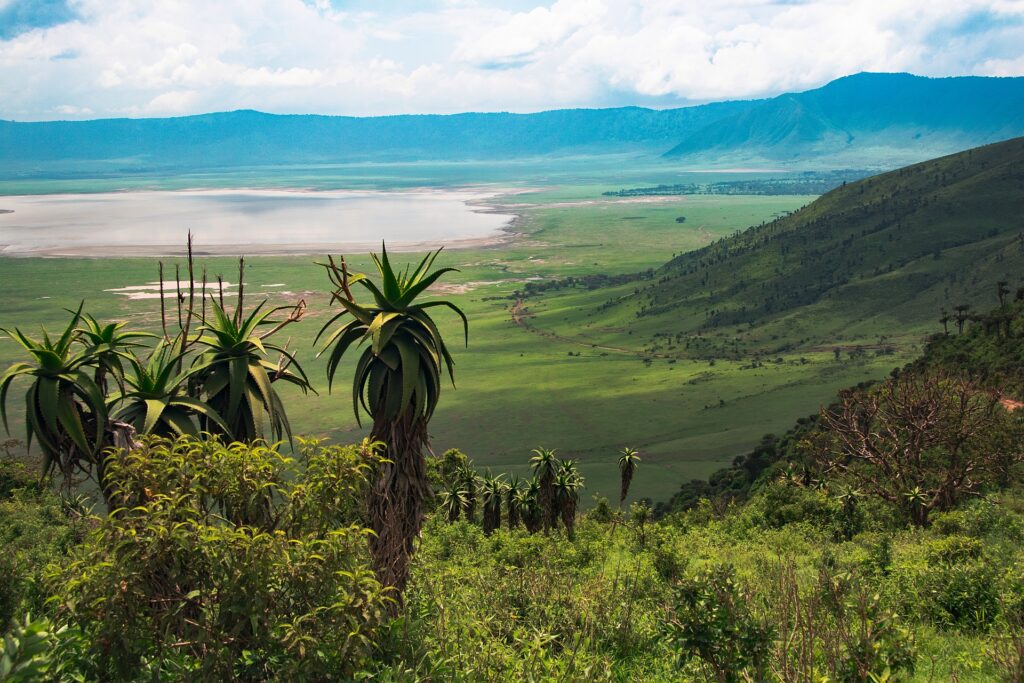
pixel 878 645
pixel 667 553
pixel 979 518
pixel 964 594
pixel 35 530
pixel 954 550
pixel 227 562
pixel 36 650
pixel 780 504
pixel 711 619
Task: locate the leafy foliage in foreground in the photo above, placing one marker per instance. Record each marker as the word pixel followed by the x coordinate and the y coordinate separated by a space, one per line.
pixel 36 528
pixel 226 562
pixel 238 562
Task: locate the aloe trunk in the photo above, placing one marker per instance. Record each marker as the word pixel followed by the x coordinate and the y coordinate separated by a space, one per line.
pixel 398 496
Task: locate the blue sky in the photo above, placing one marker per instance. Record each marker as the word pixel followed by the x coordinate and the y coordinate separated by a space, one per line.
pixel 102 58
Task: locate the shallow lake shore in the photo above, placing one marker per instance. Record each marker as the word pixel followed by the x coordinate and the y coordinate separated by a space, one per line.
pixel 254 222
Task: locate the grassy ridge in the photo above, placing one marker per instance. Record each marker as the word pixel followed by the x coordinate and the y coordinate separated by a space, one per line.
pixel 877 258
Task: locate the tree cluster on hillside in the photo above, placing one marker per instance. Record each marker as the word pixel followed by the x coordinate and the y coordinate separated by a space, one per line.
pixel 952 399
pixel 548 499
pixel 809 182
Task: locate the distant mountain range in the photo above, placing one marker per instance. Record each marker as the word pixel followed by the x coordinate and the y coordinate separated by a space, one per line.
pixel 250 137
pixel 868 112
pixel 888 117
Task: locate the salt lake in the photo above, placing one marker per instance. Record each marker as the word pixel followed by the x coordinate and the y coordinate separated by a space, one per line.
pixel 244 221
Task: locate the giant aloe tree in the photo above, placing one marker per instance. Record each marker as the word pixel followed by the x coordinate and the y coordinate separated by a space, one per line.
pixel 236 378
pixel 155 400
pixel 109 345
pixel 568 482
pixel 545 465
pixel 493 491
pixel 398 383
pixel 65 410
pixel 628 462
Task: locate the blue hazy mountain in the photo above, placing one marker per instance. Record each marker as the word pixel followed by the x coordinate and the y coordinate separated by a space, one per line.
pixel 873 114
pixel 250 137
pixel 885 117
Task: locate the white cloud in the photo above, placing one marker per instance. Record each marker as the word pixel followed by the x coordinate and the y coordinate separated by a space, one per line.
pixel 526 36
pixel 170 103
pixel 72 110
pixel 121 57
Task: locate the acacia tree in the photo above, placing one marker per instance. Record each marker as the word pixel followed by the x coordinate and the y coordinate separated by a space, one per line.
pixel 545 466
pixel 398 383
pixel 921 441
pixel 628 462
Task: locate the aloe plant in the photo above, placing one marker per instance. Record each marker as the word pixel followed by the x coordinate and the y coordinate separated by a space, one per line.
pixel 397 383
pixel 628 462
pixel 493 490
pixel 155 400
pixel 451 500
pixel 529 504
pixel 237 380
pixel 110 345
pixel 567 485
pixel 545 466
pixel 65 411
pixel 513 501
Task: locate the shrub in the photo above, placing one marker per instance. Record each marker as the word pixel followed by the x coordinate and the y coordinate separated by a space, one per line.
pixel 711 620
pixel 954 550
pixel 836 629
pixel 981 517
pixel 963 594
pixel 35 530
pixel 666 554
pixel 227 562
pixel 780 504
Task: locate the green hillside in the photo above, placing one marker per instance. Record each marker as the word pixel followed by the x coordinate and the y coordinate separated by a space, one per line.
pixel 882 257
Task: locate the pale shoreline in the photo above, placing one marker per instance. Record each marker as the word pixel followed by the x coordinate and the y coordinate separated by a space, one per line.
pixel 476 199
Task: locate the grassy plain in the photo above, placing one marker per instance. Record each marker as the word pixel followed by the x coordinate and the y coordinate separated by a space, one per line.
pixel 521 387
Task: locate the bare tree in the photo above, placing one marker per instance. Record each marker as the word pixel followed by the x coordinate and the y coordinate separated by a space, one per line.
pixel 920 441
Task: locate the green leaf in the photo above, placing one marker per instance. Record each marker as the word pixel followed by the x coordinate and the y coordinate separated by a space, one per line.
pixel 449 304
pixel 72 424
pixel 49 397
pixel 410 370
pixel 154 409
pixel 376 327
pixel 414 291
pixel 201 408
pixel 239 369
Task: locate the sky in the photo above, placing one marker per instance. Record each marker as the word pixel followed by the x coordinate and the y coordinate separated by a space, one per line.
pixel 80 59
